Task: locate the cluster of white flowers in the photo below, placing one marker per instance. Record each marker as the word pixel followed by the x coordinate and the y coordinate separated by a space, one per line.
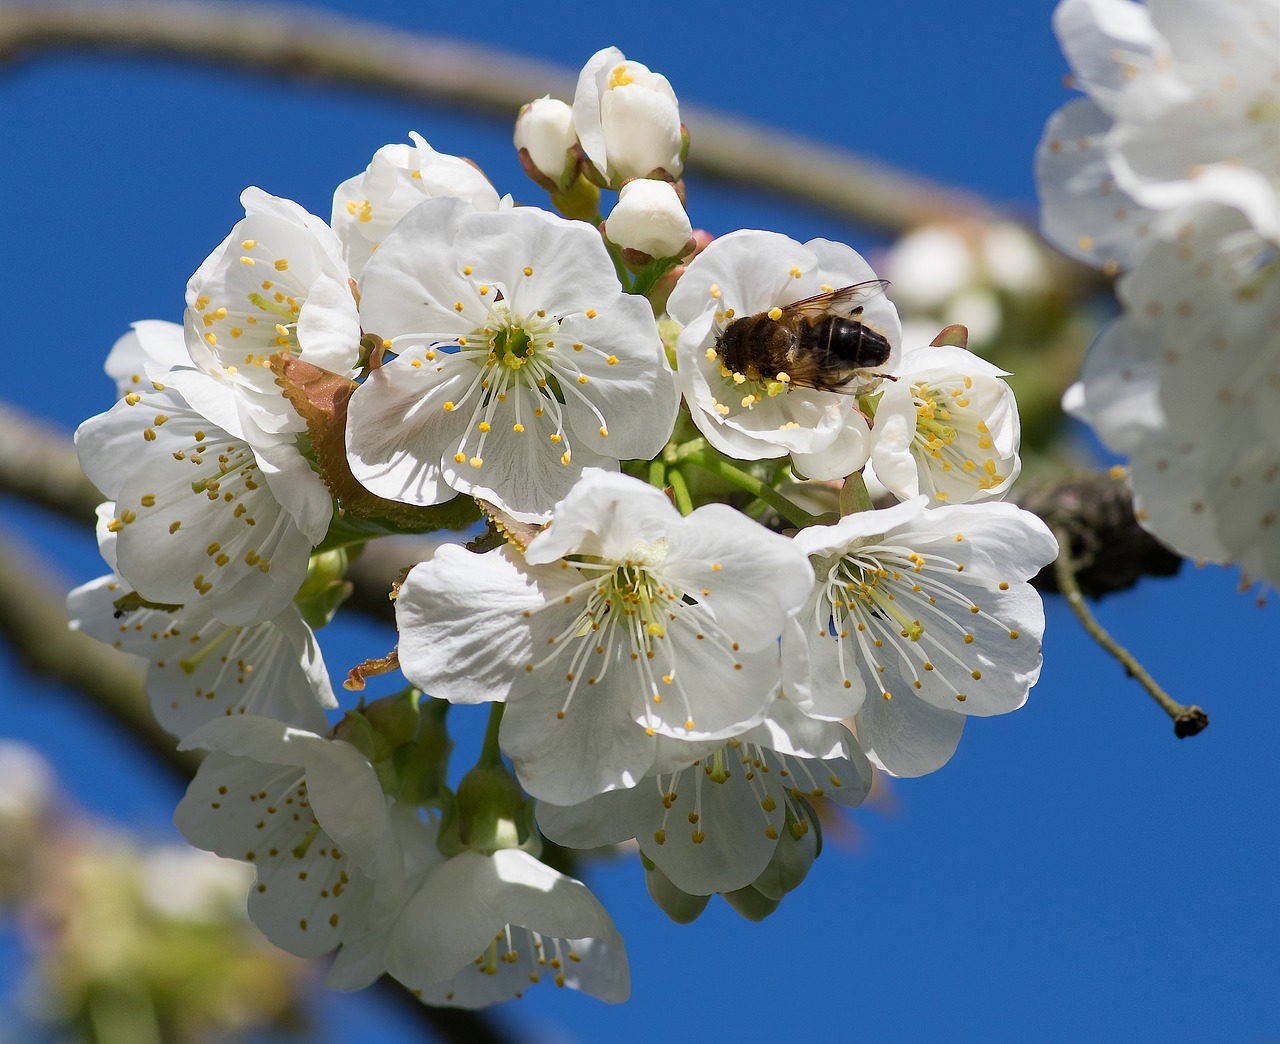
pixel 1168 170
pixel 659 664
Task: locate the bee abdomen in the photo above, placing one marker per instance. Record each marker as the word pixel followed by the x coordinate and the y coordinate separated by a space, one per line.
pixel 850 342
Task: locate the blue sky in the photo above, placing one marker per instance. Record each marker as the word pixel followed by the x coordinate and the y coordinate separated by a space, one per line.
pixel 1075 870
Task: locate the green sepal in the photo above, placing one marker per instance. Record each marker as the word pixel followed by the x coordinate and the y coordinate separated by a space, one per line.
pixel 324 589
pixel 649 275
pixel 458 513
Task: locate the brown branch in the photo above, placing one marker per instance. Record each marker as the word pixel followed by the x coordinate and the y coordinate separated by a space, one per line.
pixel 299 43
pixel 33 620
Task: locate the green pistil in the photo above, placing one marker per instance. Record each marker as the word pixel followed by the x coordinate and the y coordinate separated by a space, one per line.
pixel 718 773
pixel 631 587
pixel 491 959
pixel 867 590
pixel 268 305
pixel 513 347
pixel 300 849
pixel 190 664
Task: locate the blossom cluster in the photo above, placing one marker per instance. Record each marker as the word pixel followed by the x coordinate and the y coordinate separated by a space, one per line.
pixel 1167 172
pixel 673 652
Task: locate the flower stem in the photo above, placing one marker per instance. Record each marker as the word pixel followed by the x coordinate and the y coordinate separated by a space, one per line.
pixel 854 495
pixel 1188 720
pixel 658 472
pixel 490 752
pixel 797 516
pixel 680 490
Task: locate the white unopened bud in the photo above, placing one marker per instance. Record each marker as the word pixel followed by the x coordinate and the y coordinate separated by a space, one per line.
pixel 627 119
pixel 544 130
pixel 649 219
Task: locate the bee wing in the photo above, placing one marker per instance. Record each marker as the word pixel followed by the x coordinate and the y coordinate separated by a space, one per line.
pixel 805 371
pixel 846 301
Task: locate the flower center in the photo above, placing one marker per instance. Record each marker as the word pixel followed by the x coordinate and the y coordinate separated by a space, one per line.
pixel 627 607
pixel 950 432
pixel 892 609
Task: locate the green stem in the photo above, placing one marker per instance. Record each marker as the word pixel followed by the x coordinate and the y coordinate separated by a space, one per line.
pixel 675 454
pixel 797 516
pixel 658 473
pixel 615 254
pixel 680 490
pixel 854 495
pixel 490 752
pixel 1187 721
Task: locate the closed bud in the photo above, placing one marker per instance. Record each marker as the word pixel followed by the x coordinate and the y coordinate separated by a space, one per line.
pixel 649 221
pixel 545 139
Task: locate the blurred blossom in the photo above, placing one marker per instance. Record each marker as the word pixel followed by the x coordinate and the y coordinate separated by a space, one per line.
pixel 1014 259
pixel 186 884
pixel 929 265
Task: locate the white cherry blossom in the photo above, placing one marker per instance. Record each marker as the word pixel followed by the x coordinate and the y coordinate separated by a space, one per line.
pixel 1187 381
pixel 1180 109
pixel 713 825
pixel 622 623
pixel 627 119
pixel 150 349
pixel 948 428
pixel 920 616
pixel 520 361
pixel 200 669
pixel 398 178
pixel 309 814
pixel 200 517
pixel 276 283
pixel 749 272
pixel 483 928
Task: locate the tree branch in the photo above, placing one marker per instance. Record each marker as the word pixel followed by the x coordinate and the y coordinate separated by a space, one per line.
pixel 299 43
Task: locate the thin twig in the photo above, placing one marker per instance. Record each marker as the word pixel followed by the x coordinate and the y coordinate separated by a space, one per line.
pixel 300 43
pixel 1188 720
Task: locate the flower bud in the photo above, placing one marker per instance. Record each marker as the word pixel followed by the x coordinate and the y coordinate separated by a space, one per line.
pixel 649 221
pixel 545 139
pixel 628 120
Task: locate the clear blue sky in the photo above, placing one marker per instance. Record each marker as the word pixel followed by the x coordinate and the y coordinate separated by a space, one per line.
pixel 1074 872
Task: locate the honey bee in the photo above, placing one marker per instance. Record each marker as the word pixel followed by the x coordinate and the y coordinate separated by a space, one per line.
pixel 820 342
